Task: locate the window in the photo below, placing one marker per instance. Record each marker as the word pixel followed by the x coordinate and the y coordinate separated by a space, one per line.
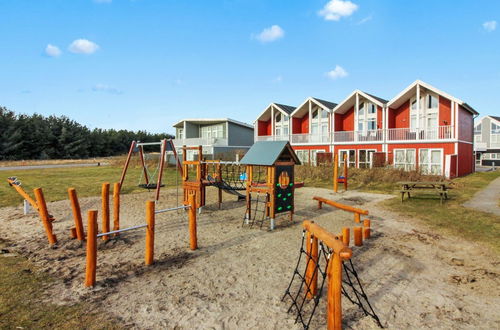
pixel 495 129
pixel 367 117
pixel 281 124
pixel 404 159
pixel 365 158
pixel 212 131
pixel 351 157
pixel 180 133
pixel 477 138
pixel 428 114
pixel 303 156
pixel 430 161
pixel 432 102
pixel 319 123
pixel 314 154
pixel 477 129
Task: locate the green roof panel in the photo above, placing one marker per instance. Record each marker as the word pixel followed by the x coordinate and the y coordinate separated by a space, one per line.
pixel 266 153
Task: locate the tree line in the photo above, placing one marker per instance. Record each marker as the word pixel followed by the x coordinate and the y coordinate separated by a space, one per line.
pixel 39 137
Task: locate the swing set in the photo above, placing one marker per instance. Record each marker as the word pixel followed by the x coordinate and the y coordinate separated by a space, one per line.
pixel 152 181
pixel 336 178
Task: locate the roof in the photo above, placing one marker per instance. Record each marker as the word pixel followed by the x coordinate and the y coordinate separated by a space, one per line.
pixel 349 101
pixel 328 104
pixel 381 100
pixel 208 121
pixel 495 117
pixel 408 92
pixel 267 153
pixel 287 108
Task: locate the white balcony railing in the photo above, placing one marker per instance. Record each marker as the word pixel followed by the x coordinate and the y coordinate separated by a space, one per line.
pixel 379 135
pixel 200 142
pixel 272 138
pixel 412 134
pixel 310 138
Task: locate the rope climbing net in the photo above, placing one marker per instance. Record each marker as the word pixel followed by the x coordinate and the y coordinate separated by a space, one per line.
pixel 303 290
pixel 258 214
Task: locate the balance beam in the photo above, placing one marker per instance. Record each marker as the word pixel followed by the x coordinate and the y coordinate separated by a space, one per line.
pixel 357 212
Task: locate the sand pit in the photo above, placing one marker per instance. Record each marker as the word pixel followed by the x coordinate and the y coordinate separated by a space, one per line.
pixel 236 278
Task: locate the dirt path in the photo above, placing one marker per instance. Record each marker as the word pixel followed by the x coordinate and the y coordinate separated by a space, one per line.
pixel 414 277
pixel 488 199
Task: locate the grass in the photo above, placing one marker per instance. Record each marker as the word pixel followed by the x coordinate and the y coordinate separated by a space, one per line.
pixel 23 303
pixel 87 181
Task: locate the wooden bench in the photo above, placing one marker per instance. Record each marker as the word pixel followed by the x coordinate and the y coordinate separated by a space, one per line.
pixel 440 187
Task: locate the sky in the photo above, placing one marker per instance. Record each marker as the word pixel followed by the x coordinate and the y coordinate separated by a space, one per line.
pixel 146 64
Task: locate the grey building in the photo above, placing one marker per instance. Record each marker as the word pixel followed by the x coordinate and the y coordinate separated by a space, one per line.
pixel 487 141
pixel 220 138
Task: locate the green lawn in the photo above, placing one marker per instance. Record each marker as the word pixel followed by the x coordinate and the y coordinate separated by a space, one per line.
pixel 86 180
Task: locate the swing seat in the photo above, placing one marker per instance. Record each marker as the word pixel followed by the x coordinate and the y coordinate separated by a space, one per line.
pixel 341 179
pixel 149 185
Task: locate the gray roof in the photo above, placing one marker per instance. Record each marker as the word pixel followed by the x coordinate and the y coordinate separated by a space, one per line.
pixel 495 117
pixel 287 108
pixel 266 153
pixel 383 101
pixel 328 104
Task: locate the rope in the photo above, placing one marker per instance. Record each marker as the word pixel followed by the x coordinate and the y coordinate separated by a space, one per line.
pixel 253 214
pixel 304 308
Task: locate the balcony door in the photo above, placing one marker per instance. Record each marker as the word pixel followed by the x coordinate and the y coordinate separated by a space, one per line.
pixel 319 125
pixel 427 122
pixel 281 124
pixel 367 121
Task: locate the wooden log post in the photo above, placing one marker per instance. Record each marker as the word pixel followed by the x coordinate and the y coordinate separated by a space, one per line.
pixel 311 283
pixel 346 235
pixel 105 210
pixel 44 214
pixel 334 294
pixel 150 232
pixel 116 207
pixel 366 229
pixel 345 171
pixel 357 217
pixel 193 238
pixel 77 214
pixel 335 172
pixel 358 238
pixel 91 265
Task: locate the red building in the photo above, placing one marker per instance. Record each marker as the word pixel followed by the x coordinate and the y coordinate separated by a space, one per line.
pixel 422 128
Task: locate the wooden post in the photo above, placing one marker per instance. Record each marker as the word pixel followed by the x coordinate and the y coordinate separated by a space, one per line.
pixel 335 172
pixel 72 232
pixel 346 236
pixel 116 207
pixel 345 171
pixel 366 229
pixel 311 284
pixel 143 163
pixel 150 232
pixel 105 210
pixel 357 217
pixel 358 238
pixel 90 271
pixel 193 239
pixel 219 179
pixel 248 195
pixel 124 172
pixel 77 214
pixel 160 171
pixel 334 302
pixel 44 214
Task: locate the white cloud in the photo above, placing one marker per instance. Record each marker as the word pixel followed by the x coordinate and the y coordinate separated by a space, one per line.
pixel 270 34
pixel 364 20
pixel 52 51
pixel 336 73
pixel 83 46
pixel 490 26
pixel 336 9
pixel 106 89
pixel 278 79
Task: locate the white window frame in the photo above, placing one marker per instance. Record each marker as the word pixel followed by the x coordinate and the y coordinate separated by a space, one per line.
pixel 425 112
pixel 303 155
pixel 369 155
pixel 406 166
pixel 320 121
pixel 366 117
pixel 349 162
pixel 429 151
pixel 180 133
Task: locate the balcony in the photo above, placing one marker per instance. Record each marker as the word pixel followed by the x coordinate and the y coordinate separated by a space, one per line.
pixel 412 134
pixel 200 142
pixel 272 138
pixel 361 136
pixel 310 138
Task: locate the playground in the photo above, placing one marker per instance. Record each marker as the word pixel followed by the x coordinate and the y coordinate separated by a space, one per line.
pixel 244 244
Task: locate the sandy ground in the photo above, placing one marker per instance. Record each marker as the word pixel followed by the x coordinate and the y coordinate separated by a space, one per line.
pixel 414 277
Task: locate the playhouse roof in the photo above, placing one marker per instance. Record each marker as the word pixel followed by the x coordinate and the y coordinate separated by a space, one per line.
pixel 267 153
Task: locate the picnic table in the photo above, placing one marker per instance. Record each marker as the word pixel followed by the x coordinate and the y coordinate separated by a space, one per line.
pixel 410 186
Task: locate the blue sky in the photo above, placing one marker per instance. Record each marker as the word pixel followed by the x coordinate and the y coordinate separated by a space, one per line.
pixel 144 64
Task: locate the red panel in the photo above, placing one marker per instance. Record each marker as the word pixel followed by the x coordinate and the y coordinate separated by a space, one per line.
pixel 391 120
pixel 305 124
pixel 401 116
pixel 465 124
pixel 264 127
pixel 377 147
pixel 296 125
pixel 465 159
pixel 444 111
pixel 379 118
pixel 453 166
pixel 345 122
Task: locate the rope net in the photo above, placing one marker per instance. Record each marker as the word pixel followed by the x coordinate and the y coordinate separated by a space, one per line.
pixel 257 214
pixel 305 299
